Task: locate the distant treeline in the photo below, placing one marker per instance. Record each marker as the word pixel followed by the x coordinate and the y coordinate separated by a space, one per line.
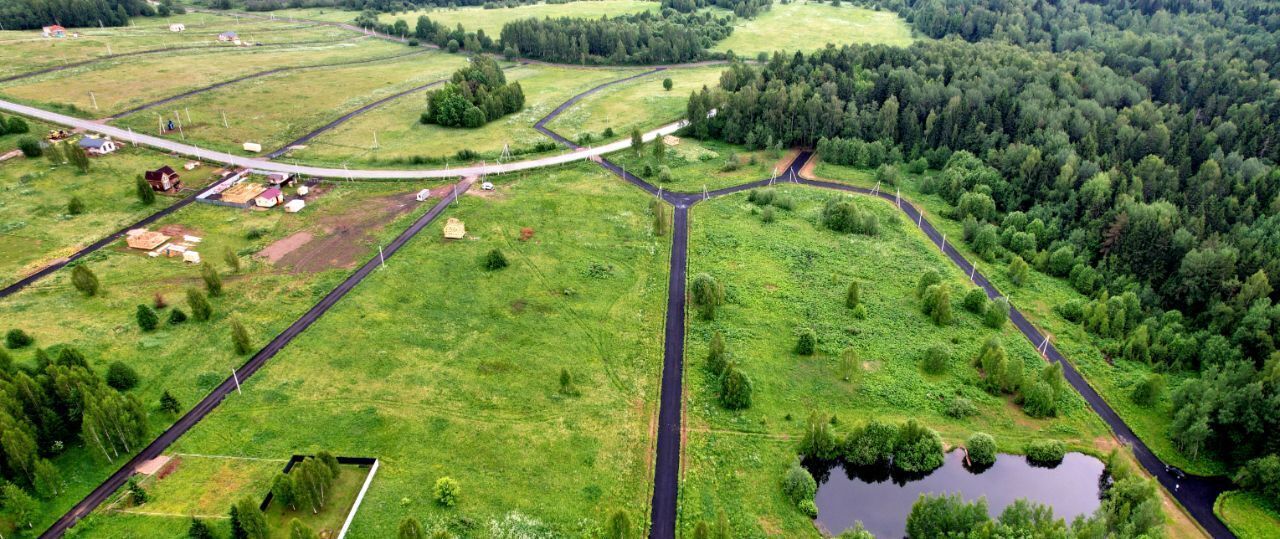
pixel 742 8
pixel 647 38
pixel 29 14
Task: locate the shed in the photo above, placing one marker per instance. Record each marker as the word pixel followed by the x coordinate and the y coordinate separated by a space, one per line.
pixel 191 165
pixel 423 195
pixel 303 190
pixel 269 198
pixel 141 238
pixel 454 229
pixel 242 193
pixel 295 205
pixel 191 256
pixel 54 31
pixel 280 179
pixel 252 147
pixel 97 146
pixel 163 179
pixel 177 27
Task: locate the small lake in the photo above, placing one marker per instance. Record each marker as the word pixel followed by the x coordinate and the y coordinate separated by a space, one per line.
pixel 882 498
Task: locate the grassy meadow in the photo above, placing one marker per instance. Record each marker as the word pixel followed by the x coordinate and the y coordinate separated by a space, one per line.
pixel 440 368
pixel 191 358
pixel 401 137
pixel 124 83
pixel 698 163
pixel 36 227
pixel 277 109
pixel 1249 515
pixel 792 273
pixel 490 20
pixel 807 27
pixel 640 104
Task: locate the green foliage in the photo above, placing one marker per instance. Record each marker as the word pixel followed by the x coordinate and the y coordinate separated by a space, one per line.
pixel 844 215
pixel 410 528
pixel 75 206
pixel 137 495
pixel 818 441
pixel 960 408
pixel 929 278
pixel 936 302
pixel 735 388
pixel 478 94
pixel 298 530
pixel 637 142
pixel 201 310
pixel 619 526
pixel 169 404
pixel 121 376
pixel 996 313
pixel 240 340
pixel 708 294
pixel 19 506
pixel 176 316
pixel 16 338
pixel 1046 451
pixel 1261 475
pixel 147 318
pixel 945 516
pixel 975 300
pixel 667 84
pixel 1019 271
pixel 870 444
pixel 982 449
pixel 849 364
pixel 852 296
pixel 30 147
pixel 494 260
pixel 1149 390
pixel 937 359
pixel 85 281
pixel 917 448
pixel 199 530
pixel 567 388
pixel 250 520
pixel 798 484
pixel 806 342
pixel 146 194
pixel 717 357
pixel 232 260
pixel 446 491
pixel 45 479
pixel 212 281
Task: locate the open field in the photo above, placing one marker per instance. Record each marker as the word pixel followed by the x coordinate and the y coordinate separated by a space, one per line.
pixel 123 83
pixel 695 164
pixel 402 137
pixel 789 274
pixel 806 27
pixel 36 228
pixel 277 109
pixel 439 368
pixel 490 20
pixel 640 104
pixel 1036 298
pixel 1248 515
pixel 29 51
pixel 310 253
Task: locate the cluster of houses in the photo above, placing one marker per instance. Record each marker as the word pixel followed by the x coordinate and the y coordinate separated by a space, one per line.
pixel 236 189
pixel 55 31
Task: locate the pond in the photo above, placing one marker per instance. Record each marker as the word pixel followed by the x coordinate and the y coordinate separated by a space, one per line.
pixel 881 499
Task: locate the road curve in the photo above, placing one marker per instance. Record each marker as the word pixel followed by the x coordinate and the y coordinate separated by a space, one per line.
pixel 215 397
pixel 271 166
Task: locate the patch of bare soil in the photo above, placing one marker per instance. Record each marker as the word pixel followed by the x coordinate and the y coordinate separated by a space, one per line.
pixel 806 171
pixel 786 159
pixel 177 231
pixel 338 241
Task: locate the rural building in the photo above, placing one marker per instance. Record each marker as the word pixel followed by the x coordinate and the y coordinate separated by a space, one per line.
pixel 280 179
pixel 295 205
pixel 177 27
pixel 252 147
pixel 454 229
pixel 141 238
pixel 269 198
pixel 242 193
pixel 54 31
pixel 163 179
pixel 97 146
pixel 228 36
pixel 191 165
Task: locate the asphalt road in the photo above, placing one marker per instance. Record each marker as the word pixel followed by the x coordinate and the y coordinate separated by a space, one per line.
pixel 225 389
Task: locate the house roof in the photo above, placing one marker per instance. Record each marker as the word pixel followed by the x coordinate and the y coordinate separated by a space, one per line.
pixel 270 193
pixel 88 142
pixel 160 173
pixel 229 33
pixel 53 28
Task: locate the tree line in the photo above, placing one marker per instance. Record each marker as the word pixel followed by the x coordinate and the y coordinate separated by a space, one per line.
pixel 30 14
pixel 477 94
pixel 743 8
pixel 665 37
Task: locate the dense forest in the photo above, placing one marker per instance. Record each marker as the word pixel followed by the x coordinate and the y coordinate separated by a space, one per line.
pixel 29 14
pixel 381 6
pixel 742 8
pixel 1126 148
pixel 645 38
pixel 478 94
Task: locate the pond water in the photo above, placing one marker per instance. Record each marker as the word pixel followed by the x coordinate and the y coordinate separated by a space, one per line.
pixel 881 499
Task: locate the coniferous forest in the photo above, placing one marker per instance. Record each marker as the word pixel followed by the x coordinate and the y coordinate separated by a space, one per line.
pixel 1129 148
pixel 28 14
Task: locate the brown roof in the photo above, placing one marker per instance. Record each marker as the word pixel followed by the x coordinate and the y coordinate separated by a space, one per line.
pixel 158 174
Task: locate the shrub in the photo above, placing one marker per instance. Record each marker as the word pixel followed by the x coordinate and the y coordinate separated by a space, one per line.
pixel 1072 310
pixel 917 448
pixel 233 261
pixel 842 215
pixel 664 172
pixel 1018 270
pixel 1046 451
pixel 929 278
pixel 1149 390
pixel 618 526
pixel 75 206
pixel 212 281
pixel 852 296
pixel 975 300
pixel 147 318
pixel 936 359
pixel 176 316
pixel 818 442
pixel 981 448
pixel 16 338
pixel 136 494
pixel 798 484
pixel 766 215
pixel 143 190
pixel 937 304
pixel 200 308
pixel 30 147
pixel 848 363
pixel 717 359
pixel 168 403
pixel 494 260
pixel 807 342
pixel 735 388
pixel 607 134
pixel 761 197
pixel 996 313
pixel 869 444
pixel 808 507
pixel 946 516
pixel 1261 475
pixel 667 84
pixel 446 491
pixel 960 408
pixel 708 294
pixel 240 338
pixel 121 377
pixel 85 281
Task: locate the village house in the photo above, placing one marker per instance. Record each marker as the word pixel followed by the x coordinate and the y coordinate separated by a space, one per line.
pixel 177 27
pixel 163 179
pixel 54 31
pixel 269 198
pixel 229 36
pixel 97 146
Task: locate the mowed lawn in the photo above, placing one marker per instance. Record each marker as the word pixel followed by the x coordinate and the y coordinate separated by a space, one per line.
pixel 277 109
pixel 192 358
pixel 1249 515
pixel 120 84
pixel 36 227
pixel 401 137
pixel 27 50
pixel 807 27
pixel 695 165
pixel 1037 299
pixel 640 104
pixel 792 274
pixel 492 20
pixel 440 368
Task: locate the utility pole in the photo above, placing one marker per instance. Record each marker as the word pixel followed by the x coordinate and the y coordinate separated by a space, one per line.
pixel 236 377
pixel 94 99
pixel 381 258
pixel 188 113
pixel 943 244
pixel 224 121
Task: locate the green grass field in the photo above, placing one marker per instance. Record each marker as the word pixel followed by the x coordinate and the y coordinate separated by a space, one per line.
pixel 695 164
pixel 401 136
pixel 190 359
pixel 1248 515
pixel 807 27
pixel 1036 299
pixel 439 368
pixel 789 274
pixel 28 51
pixel 35 226
pixel 128 82
pixel 640 104
pixel 278 109
pixel 490 20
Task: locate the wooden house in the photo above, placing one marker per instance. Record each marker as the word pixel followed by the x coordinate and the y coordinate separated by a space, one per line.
pixel 141 238
pixel 54 31
pixel 269 198
pixel 97 146
pixel 163 179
